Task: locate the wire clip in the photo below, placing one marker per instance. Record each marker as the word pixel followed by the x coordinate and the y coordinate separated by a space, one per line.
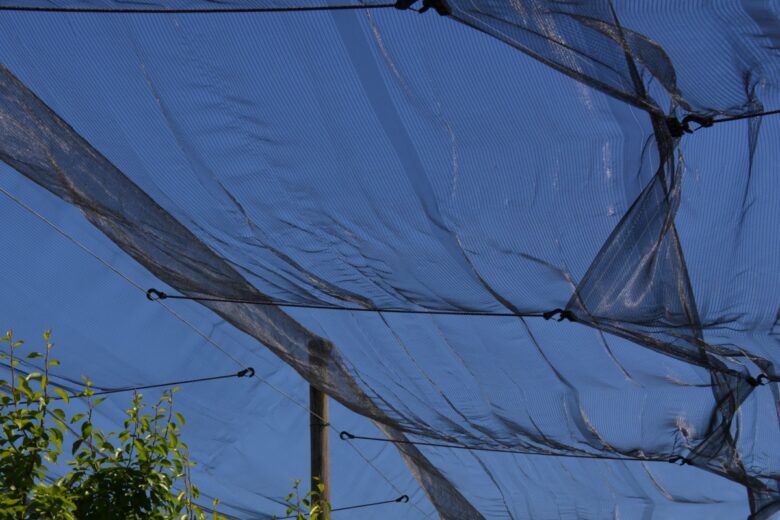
pixel 563 315
pixel 440 6
pixel 761 380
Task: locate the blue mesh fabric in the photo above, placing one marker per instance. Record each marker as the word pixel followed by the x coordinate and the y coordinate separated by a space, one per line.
pixel 377 159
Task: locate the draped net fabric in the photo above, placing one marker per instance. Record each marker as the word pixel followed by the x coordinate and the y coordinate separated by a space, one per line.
pixel 379 159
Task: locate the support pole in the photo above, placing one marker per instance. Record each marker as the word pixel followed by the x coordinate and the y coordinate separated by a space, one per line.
pixel 319 353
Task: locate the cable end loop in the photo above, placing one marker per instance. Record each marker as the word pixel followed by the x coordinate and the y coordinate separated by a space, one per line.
pixel 678 128
pixel 563 314
pixel 402 499
pixel 247 372
pixel 153 295
pixel 346 436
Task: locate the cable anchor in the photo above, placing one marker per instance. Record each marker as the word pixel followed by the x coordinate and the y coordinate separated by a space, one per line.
pixel 678 128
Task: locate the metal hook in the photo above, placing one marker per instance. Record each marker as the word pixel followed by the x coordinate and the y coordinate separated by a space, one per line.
pixel 154 295
pixel 247 372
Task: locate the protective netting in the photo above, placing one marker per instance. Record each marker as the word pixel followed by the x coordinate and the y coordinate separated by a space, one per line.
pixel 383 160
pixel 178 7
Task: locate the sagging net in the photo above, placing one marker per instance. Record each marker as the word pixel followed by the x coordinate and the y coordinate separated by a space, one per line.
pixel 563 267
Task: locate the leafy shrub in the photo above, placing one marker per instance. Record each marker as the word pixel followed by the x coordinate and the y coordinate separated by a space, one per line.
pixel 307 506
pixel 139 472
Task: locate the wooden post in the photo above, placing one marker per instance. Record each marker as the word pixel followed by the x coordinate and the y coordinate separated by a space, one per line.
pixel 319 351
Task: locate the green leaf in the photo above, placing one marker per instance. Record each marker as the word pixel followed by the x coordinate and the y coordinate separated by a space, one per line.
pixel 76 446
pixel 57 434
pixel 63 394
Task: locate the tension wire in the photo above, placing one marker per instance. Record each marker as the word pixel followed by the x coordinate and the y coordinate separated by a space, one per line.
pixel 400 500
pixel 677 128
pixel 202 10
pixel 440 6
pixel 154 295
pixel 677 459
pixel 247 372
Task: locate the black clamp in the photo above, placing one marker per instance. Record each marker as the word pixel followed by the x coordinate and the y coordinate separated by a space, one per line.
pixel 440 6
pixel 562 315
pixel 247 372
pixel 153 295
pixel 680 460
pixel 346 436
pixel 761 380
pixel 402 499
pixel 678 128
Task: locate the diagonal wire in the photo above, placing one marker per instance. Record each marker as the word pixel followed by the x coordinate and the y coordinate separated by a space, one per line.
pixel 106 264
pixel 207 338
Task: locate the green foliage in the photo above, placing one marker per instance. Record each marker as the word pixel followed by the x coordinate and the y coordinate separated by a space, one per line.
pixel 140 472
pixel 307 506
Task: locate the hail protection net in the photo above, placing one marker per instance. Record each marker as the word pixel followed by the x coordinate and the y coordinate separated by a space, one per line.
pixel 536 248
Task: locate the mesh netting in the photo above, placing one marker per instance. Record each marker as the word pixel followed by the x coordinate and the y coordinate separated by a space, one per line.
pixel 469 197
